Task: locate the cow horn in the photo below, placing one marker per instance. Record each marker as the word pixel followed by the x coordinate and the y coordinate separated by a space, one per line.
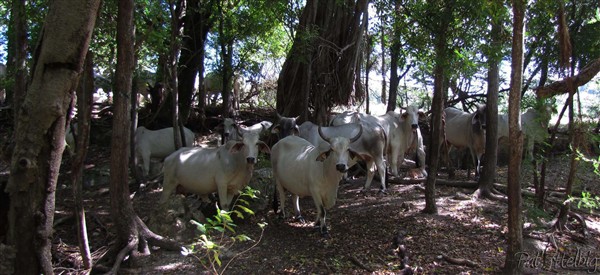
pixel 323 135
pixel 355 138
pixel 237 129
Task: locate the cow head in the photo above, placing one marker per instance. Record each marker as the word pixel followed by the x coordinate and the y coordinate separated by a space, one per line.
pixel 339 150
pixel 228 129
pixel 286 126
pixel 478 118
pixel 411 116
pixel 249 144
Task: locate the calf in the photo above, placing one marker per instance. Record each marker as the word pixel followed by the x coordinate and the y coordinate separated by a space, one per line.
pixel 302 169
pixel 225 170
pixel 157 144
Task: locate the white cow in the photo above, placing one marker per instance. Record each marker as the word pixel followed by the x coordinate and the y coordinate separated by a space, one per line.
pixel 533 123
pixel 302 169
pixel 225 170
pixel 230 128
pixel 370 146
pixel 156 144
pixel 402 131
pixel 467 130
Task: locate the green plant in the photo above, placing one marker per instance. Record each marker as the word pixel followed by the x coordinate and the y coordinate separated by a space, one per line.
pixel 218 234
pixel 587 200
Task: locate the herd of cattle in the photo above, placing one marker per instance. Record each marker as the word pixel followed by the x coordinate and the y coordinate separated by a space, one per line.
pixel 309 159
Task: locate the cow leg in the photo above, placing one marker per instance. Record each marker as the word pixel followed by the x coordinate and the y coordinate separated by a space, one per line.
pixel 393 160
pixel 222 192
pixel 296 201
pixel 281 192
pixel 421 161
pixel 370 174
pixel 169 185
pixel 146 164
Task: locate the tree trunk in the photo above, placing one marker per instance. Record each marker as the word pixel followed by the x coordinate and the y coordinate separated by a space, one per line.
pixel 17 56
pixel 328 46
pixel 515 218
pixel 197 23
pixel 130 231
pixel 394 57
pixel 40 131
pixel 560 87
pixel 488 174
pixel 383 68
pixel 84 104
pixel 177 10
pixel 437 106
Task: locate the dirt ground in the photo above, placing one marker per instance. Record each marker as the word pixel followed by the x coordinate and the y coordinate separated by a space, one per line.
pixel 366 229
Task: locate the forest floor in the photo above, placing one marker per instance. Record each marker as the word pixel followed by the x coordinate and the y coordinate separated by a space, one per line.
pixel 366 230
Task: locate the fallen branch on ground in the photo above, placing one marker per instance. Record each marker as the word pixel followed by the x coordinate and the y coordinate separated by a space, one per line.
pixel 459 261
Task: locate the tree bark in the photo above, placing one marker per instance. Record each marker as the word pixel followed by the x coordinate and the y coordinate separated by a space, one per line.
pixel 437 106
pixel 488 174
pixel 560 87
pixel 394 58
pixel 17 56
pixel 197 23
pixel 327 46
pixel 84 104
pixel 132 235
pixel 40 131
pixel 515 218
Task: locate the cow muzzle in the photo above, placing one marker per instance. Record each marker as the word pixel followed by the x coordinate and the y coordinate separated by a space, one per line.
pixel 343 168
pixel 251 160
pixel 414 126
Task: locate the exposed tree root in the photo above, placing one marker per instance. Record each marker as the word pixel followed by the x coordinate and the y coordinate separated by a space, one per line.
pixel 459 261
pixel 139 238
pixel 483 193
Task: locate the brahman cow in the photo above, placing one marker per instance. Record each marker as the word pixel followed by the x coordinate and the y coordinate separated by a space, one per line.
pixel 533 123
pixel 302 169
pixel 370 146
pixel 156 144
pixel 467 130
pixel 225 170
pixel 285 126
pixel 402 132
pixel 230 127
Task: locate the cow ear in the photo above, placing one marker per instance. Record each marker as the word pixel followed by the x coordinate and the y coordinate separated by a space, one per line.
pixel 422 115
pixel 324 155
pixel 263 147
pixel 275 130
pixel 219 128
pixel 236 147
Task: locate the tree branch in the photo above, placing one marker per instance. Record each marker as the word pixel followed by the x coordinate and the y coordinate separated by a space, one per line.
pixel 560 87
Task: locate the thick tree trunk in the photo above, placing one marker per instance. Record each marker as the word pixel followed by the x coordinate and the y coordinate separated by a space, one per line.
pixel 40 131
pixel 327 46
pixel 515 218
pixel 488 174
pixel 197 23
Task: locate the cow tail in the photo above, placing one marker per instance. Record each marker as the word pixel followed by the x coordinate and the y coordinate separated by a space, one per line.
pixel 275 200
